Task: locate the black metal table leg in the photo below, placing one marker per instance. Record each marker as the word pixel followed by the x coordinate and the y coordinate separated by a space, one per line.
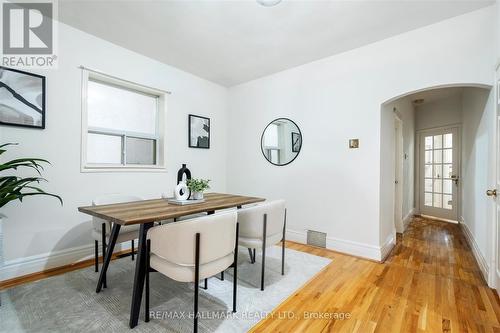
pixel 109 253
pixel 140 274
pixel 96 256
pixel 103 241
pixel 148 268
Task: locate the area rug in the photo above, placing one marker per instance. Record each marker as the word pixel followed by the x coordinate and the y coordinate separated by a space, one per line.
pixel 68 302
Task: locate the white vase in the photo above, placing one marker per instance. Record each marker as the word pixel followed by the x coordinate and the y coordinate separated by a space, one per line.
pixel 197 195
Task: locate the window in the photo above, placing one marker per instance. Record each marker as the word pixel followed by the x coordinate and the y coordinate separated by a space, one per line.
pixel 271 136
pixel 122 125
pixel 438 171
pixel 271 143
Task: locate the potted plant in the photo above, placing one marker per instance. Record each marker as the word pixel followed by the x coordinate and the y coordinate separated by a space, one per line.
pixel 197 187
pixel 13 187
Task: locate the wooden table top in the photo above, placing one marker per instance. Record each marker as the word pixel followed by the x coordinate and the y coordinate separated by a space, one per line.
pixel 146 211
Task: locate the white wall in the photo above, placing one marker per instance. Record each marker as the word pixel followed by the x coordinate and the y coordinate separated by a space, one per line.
pixel 40 225
pixel 477 143
pixel 329 187
pixel 439 113
pixel 497 30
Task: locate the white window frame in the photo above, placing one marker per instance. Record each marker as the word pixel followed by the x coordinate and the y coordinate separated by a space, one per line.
pixel 160 135
pixel 278 148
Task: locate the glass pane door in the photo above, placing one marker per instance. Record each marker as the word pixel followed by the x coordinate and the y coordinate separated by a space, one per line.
pixel 439 178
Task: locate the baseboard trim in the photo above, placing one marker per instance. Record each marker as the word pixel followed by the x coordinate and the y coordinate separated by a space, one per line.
pixel 407 219
pixel 356 249
pixel 430 217
pixel 387 248
pixel 5 284
pixel 481 260
pixel 46 261
pixel 296 236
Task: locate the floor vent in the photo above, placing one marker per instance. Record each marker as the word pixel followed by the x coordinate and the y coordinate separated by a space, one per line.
pixel 316 238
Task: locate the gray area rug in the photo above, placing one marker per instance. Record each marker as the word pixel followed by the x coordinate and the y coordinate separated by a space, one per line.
pixel 68 302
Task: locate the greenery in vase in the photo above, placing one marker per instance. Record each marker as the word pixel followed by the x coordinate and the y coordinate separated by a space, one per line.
pixel 13 187
pixel 198 185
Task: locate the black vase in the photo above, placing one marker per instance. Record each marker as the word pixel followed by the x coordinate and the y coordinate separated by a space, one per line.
pixel 181 172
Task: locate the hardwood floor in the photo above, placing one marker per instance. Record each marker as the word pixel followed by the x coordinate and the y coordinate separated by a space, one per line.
pixel 430 283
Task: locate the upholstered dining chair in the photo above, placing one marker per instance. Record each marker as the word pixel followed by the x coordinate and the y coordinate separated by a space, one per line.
pixel 101 229
pixel 262 226
pixel 193 250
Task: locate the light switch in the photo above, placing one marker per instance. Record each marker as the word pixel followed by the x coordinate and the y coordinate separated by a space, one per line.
pixel 353 143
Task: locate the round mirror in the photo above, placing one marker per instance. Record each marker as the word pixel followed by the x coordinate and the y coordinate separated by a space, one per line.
pixel 281 141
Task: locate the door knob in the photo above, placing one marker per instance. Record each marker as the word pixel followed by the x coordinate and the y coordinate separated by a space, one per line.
pixel 491 193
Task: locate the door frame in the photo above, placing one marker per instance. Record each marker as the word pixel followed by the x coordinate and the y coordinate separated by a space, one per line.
pixel 494 272
pixel 418 152
pixel 398 173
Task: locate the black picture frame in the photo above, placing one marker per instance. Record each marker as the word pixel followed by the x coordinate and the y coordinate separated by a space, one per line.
pixel 202 142
pixel 296 136
pixel 20 98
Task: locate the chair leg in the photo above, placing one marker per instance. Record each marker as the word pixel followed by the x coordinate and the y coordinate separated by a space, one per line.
pixel 206 284
pixel 196 281
pixel 146 302
pixel 283 247
pixel 254 257
pixel 264 236
pixel 96 255
pixel 132 245
pixel 250 253
pixel 103 233
pixel 235 274
pixel 222 276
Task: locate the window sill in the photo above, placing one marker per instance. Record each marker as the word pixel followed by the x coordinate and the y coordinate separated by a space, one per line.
pixel 114 168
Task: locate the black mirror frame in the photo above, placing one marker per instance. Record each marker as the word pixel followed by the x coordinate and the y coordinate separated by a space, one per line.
pixel 262 138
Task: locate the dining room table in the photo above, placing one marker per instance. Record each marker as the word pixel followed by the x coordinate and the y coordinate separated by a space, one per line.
pixel 146 213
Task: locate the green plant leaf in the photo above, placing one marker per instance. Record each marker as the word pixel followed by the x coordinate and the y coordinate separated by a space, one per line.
pixel 5 145
pixel 198 185
pixel 16 188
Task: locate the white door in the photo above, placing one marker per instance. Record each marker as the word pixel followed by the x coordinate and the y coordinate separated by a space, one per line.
pixel 398 172
pixel 439 173
pixel 493 193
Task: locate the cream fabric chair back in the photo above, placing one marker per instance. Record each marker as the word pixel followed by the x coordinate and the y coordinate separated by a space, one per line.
pixel 175 242
pixel 108 200
pixel 251 219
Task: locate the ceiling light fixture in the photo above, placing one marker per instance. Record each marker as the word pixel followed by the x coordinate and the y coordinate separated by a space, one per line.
pixel 268 3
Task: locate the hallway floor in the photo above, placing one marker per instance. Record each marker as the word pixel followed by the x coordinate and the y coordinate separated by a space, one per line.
pixel 430 283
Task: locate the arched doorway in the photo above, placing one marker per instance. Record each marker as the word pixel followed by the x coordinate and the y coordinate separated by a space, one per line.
pixel 447 160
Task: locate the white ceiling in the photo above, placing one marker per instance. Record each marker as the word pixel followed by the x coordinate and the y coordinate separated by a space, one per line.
pixel 230 42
